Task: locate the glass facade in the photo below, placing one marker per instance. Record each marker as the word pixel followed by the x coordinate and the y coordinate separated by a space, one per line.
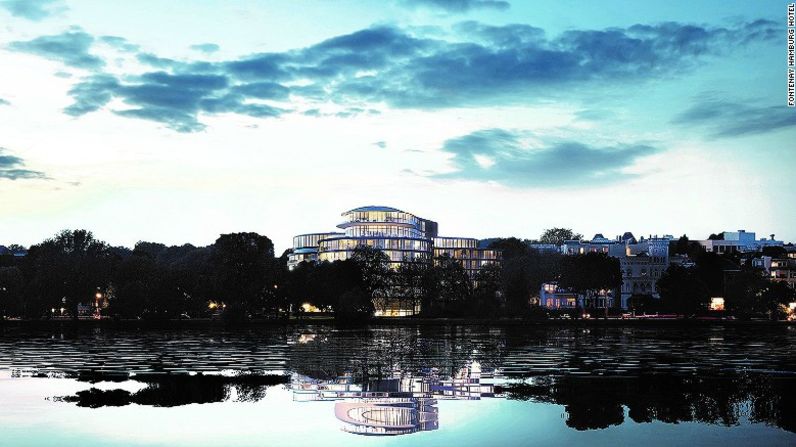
pixel 400 235
pixel 466 251
pixel 398 249
pixel 305 248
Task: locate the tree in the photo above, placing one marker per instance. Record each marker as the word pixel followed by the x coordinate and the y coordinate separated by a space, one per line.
pixel 643 303
pixel 487 297
pixel 412 282
pixel 743 291
pixel 711 268
pixel 775 297
pixel 510 248
pixel 11 286
pixel 376 274
pixel 245 272
pixel 354 305
pixel 297 287
pixel 682 291
pixel 516 285
pixel 523 276
pixel 136 286
pixel 680 246
pixel 775 252
pixel 68 269
pixel 557 236
pixel 590 273
pixel 454 285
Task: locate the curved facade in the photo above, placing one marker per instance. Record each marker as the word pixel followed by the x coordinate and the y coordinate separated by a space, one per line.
pixel 305 248
pixel 402 236
pixel 388 416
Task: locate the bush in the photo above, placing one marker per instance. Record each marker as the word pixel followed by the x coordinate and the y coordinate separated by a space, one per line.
pixel 354 305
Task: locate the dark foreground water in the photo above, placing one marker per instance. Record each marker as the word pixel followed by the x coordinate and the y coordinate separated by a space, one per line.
pixel 424 385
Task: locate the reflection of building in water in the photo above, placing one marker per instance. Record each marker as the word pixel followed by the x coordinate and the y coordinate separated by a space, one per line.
pixel 388 416
pixel 398 405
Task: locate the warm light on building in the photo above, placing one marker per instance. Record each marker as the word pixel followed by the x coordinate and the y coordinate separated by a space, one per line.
pixel 307 307
pixel 717 303
pixel 401 236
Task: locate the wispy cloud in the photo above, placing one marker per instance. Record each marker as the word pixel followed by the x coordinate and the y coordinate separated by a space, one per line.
pixel 206 48
pixel 458 6
pixel 13 168
pixel 119 43
pixel 521 159
pixel 722 117
pixel 387 65
pixel 33 9
pixel 71 48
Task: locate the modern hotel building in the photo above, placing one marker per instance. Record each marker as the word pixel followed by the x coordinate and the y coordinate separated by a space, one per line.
pixel 400 235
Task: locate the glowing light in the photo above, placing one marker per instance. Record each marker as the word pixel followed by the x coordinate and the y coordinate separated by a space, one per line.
pixel 717 303
pixel 307 307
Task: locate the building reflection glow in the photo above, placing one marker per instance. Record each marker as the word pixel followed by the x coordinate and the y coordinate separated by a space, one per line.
pixel 399 405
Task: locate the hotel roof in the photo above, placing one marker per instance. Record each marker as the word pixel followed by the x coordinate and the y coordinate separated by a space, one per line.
pixel 374 208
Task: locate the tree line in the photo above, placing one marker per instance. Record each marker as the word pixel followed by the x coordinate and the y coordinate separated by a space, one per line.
pixel 239 277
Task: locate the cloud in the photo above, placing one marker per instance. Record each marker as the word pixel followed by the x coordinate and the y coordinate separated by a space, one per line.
pixel 33 9
pixel 13 168
pixel 91 94
pixel 206 48
pixel 4 102
pixel 458 6
pixel 380 144
pixel 71 48
pixel 174 100
pixel 390 66
pixel 722 117
pixel 120 43
pixel 520 159
pixel 594 114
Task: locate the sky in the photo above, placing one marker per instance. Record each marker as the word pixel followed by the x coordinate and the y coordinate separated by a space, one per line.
pixel 178 121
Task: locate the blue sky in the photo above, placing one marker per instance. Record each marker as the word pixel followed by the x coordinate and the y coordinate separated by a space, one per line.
pixel 177 121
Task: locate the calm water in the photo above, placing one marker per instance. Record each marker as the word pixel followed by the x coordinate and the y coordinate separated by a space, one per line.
pixel 425 385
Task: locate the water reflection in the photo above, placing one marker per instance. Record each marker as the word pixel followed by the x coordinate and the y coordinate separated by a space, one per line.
pixel 391 380
pixel 399 405
pixel 596 403
pixel 171 390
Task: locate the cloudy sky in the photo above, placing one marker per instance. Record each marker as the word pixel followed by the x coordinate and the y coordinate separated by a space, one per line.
pixel 178 121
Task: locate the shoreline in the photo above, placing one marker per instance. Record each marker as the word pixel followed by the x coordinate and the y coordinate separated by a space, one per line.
pixel 206 323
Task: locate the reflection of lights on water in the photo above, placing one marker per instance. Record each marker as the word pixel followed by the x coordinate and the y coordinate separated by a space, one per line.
pixel 307 307
pixel 306 338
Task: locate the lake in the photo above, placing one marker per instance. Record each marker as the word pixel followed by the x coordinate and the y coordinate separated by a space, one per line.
pixel 435 385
